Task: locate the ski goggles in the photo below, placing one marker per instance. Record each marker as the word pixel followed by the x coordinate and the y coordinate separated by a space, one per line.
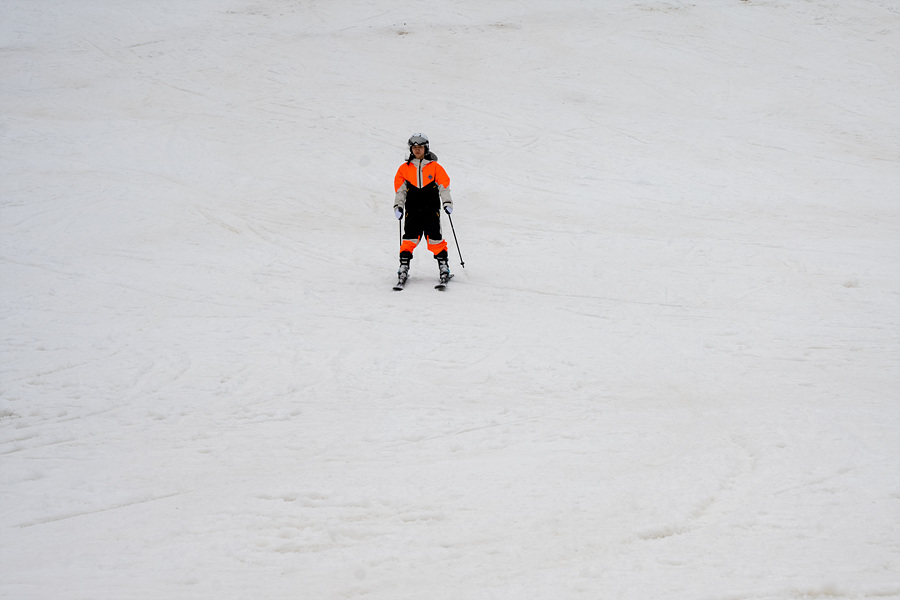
pixel 418 139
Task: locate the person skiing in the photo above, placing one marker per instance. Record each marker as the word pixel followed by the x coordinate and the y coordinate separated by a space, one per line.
pixel 421 188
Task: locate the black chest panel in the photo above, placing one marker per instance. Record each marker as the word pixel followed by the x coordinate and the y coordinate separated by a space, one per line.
pixel 424 199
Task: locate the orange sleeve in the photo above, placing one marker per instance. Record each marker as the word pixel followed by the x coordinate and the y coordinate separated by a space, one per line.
pixel 399 178
pixel 406 172
pixel 440 176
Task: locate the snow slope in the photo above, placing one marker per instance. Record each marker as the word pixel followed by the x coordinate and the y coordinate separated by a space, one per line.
pixel 669 370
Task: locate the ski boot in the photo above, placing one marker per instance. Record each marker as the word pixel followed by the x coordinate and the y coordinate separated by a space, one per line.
pixel 443 267
pixel 403 272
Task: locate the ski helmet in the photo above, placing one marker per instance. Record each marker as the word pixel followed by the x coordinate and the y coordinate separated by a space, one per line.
pixel 418 139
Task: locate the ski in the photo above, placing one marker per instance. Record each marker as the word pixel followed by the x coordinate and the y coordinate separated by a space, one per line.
pixel 440 285
pixel 443 283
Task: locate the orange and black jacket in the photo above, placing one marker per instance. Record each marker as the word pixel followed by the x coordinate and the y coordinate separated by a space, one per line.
pixel 421 186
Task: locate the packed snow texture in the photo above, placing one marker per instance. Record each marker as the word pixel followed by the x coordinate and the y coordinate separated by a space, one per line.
pixel 670 368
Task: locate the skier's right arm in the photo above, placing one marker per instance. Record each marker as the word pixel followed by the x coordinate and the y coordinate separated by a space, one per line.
pixel 400 200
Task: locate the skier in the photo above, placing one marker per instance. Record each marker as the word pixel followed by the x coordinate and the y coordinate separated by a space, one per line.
pixel 421 188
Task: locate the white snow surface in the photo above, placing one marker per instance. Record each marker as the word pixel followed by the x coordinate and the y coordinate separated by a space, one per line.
pixel 670 368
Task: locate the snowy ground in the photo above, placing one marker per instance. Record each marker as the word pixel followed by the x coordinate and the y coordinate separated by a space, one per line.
pixel 669 370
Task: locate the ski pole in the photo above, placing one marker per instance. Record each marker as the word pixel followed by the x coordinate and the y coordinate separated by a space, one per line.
pixel 453 229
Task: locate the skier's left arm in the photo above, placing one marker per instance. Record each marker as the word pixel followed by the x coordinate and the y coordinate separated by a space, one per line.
pixel 443 184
